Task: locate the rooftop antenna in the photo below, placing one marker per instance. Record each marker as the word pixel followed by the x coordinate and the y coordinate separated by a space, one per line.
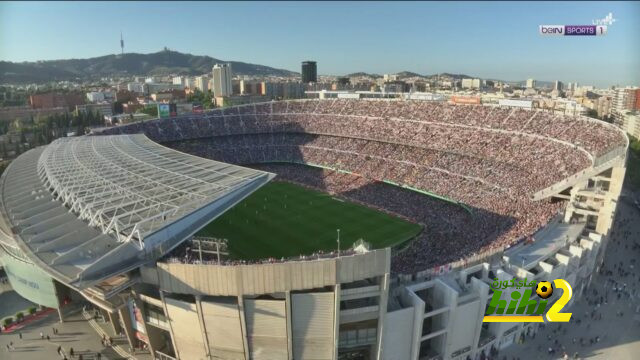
pixel 121 43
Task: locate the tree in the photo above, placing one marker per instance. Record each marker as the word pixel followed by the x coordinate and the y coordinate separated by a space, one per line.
pixel 633 162
pixel 87 117
pixel 195 96
pixel 117 107
pixel 207 102
pixel 99 118
pixel 17 124
pixel 64 121
pixel 592 113
pixel 80 128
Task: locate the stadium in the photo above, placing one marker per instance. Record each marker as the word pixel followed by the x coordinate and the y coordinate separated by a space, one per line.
pixel 314 229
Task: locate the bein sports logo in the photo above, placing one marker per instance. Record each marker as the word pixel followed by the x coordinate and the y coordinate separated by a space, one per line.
pixel 521 303
pixel 598 28
pixel 573 30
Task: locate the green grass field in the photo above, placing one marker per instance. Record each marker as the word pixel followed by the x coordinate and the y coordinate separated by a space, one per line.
pixel 284 220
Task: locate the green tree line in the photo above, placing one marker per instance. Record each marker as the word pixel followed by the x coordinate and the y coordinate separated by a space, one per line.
pixel 43 130
pixel 199 97
pixel 633 163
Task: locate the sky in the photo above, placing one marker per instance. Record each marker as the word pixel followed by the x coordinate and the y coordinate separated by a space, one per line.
pixel 494 40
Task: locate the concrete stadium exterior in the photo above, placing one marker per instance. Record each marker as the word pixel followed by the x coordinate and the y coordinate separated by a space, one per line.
pixel 341 307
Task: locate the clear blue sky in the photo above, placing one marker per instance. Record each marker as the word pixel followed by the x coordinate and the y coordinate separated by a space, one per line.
pixel 487 39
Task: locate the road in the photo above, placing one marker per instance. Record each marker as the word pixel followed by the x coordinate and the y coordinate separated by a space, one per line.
pixel 74 333
pixel 617 337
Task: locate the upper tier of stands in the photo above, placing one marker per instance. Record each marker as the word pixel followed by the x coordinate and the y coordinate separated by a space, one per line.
pixel 490 158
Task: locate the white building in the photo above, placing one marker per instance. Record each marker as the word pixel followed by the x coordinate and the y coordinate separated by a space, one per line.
pixel 569 107
pixel 103 109
pixel 531 84
pixel 151 88
pixel 222 80
pixel 582 90
pixel 250 87
pixel 471 83
pixel 558 85
pixel 572 87
pixel 629 122
pixel 390 77
pixel 180 80
pixel 445 83
pixel 527 104
pixel 202 83
pixel 136 87
pixel 623 100
pixel 282 90
pixel 95 96
pixel 100 96
pixel 190 83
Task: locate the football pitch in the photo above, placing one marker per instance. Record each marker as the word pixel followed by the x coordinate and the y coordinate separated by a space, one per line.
pixel 285 220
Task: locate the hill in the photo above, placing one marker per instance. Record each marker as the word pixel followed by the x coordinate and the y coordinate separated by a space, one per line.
pixel 161 63
pixel 402 74
pixel 406 74
pixel 358 74
pixel 454 76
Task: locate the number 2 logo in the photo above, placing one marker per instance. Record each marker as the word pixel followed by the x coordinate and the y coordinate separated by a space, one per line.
pixel 554 314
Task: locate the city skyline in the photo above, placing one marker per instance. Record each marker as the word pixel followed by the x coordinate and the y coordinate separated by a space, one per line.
pixel 352 37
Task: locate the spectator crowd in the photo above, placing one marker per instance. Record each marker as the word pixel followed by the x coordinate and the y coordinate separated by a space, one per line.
pixel 492 159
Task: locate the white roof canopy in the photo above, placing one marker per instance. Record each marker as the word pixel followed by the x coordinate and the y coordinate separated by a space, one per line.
pixel 85 206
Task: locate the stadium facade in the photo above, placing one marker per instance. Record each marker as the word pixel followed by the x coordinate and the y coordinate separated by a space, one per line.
pixel 97 218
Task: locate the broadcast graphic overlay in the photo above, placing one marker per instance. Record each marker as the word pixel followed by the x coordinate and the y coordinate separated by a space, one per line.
pixel 521 302
pixel 598 27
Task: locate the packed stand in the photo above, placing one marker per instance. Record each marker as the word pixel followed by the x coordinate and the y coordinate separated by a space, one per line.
pixel 492 159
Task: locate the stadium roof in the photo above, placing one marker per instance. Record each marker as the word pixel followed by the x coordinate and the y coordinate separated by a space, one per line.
pixel 548 240
pixel 87 208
